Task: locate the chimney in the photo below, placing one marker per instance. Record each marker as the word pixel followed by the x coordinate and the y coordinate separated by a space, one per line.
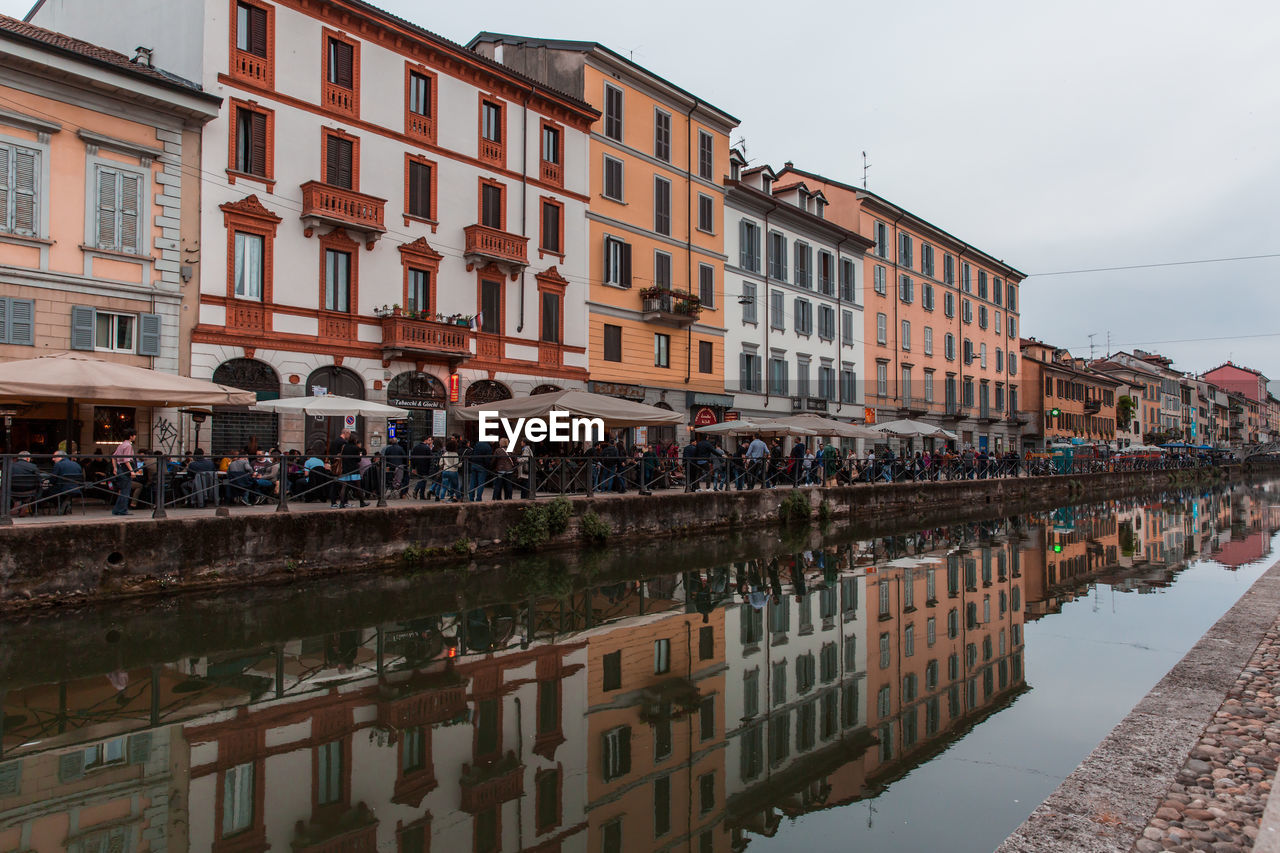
pixel 142 56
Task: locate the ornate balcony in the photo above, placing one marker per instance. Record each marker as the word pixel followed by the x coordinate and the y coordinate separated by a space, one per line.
pixel 335 326
pixel 403 335
pixel 485 245
pixel 674 307
pixel 251 67
pixel 246 316
pixel 493 152
pixel 550 355
pixel 1092 407
pixel 553 173
pixel 342 208
pixel 955 412
pixel 493 784
pixel 354 831
pixel 422 700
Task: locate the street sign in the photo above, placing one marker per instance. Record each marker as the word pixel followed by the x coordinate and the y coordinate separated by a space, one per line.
pixel 704 417
pixel 391 430
pixel 349 421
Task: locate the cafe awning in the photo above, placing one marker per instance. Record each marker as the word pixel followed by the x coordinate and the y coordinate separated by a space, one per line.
pixel 81 378
pixel 331 405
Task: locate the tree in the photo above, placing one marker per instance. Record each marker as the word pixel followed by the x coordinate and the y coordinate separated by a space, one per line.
pixel 1125 407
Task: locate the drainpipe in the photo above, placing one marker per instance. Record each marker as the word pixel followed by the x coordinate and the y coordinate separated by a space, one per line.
pixel 524 193
pixel 768 301
pixel 688 231
pixel 839 338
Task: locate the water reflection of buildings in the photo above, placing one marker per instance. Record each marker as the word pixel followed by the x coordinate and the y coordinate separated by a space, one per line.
pixel 690 711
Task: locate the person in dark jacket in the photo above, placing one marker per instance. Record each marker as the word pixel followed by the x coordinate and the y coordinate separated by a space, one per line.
pixel 422 460
pixel 350 454
pixel 706 456
pixel 66 480
pixel 479 460
pixel 689 456
pixel 397 461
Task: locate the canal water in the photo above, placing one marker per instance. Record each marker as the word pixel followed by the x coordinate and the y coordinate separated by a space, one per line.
pixel 815 690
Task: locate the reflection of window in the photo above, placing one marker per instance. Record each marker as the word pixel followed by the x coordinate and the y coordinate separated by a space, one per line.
pixel 662 733
pixel 661 806
pixel 329 774
pixel 488 736
pixel 237 799
pixel 113 332
pixel 104 754
pixel 413 750
pixel 613 671
pixel 661 657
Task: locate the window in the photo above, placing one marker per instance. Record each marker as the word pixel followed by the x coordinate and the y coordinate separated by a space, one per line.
pixel 997 291
pixel 551 214
pixel 966 281
pixel 881 286
pixel 928 340
pixel 1011 299
pixel 662 270
pixel 661 656
pixel 237 799
pixel 662 205
pixel 613 112
pixel 882 240
pixel 904 250
pixel 882 328
pixel 748 302
pixel 778 377
pixel 706 162
pixel 491 121
pixel 883 701
pixel 848 276
pixel 662 135
pixel 706 357
pixel 251 147
pixel 1013 327
pixel 339 161
pixel 949 347
pixel 882 379
pixel 612 671
pixel 826 273
pixel 707 285
pixel 982 316
pixel 909 643
pixel 982 355
pixel 1013 369
pixel 329 773
pixel 953 626
pixel 906 335
pixel 617 262
pixel 926 259
pixel 906 289
pixel 550 331
pixel 490 306
pixel 104 754
pixel 114 332
pixel 492 206
pixel 777 318
pixel 949 304
pixel 931 632
pixel 778 256
pixel 926 296
pixel 802 390
pixel 982 284
pixel 119 203
pixel 998 323
pixel 551 144
pixel 248 265
pixel 341 66
pixel 420 105
pixel 749 245
pixel 999 360
pixel 749 373
pixel 803 317
pixel 413 750
pixel 612 343
pixel 421 193
pixel 337 280
pixel 928 390
pixel 251 29
pixel 17 321
pixel 617 753
pixel 827 382
pixel 661 350
pixel 706 213
pixel 848 385
pixel 804 264
pixel 846 327
pixel 20 190
pixel 826 322
pixel 613 188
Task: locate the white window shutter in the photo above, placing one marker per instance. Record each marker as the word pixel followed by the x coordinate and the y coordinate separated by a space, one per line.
pixel 21 322
pixel 106 225
pixel 130 189
pixel 25 175
pixel 82 323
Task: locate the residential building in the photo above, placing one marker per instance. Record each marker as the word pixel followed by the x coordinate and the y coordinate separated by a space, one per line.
pixel 941 320
pixel 1139 375
pixel 1251 385
pixel 99 186
pixel 1065 399
pixel 656 238
pixel 1162 401
pixel 386 215
pixel 794 284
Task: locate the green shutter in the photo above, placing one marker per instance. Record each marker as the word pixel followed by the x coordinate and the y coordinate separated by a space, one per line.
pixel 71 766
pixel 140 747
pixel 6 157
pixel 130 204
pixel 20 322
pixel 24 190
pixel 744 255
pixel 108 238
pixel 82 323
pixel 148 334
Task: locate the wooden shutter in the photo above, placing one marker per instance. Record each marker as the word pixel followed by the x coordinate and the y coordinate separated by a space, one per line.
pixel 257 143
pixel 257 39
pixel 340 63
pixel 148 334
pixel 108 237
pixel 140 747
pixel 71 766
pixel 130 190
pixel 6 157
pixel 24 190
pixel 626 264
pixel 744 372
pixel 744 255
pixel 338 161
pixel 20 322
pixel 420 190
pixel 82 323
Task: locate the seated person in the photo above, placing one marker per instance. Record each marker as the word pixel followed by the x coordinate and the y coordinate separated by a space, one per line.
pixel 66 480
pixel 240 478
pixel 199 464
pixel 24 479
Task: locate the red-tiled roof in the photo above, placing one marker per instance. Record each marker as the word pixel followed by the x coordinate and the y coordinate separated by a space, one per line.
pixel 14 29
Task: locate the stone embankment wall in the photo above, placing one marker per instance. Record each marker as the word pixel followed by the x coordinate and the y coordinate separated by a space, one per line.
pixel 48 565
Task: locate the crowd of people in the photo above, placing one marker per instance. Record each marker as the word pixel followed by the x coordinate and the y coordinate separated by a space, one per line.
pixel 342 471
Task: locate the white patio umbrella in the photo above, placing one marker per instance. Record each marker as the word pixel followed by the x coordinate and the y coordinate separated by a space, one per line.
pixel 614 412
pixel 763 427
pixel 908 428
pixel 331 405
pixel 819 425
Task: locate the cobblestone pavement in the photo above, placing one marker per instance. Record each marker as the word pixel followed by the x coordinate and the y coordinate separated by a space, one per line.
pixel 1217 799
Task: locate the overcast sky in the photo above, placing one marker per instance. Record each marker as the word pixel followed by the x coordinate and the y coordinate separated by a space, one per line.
pixel 1057 137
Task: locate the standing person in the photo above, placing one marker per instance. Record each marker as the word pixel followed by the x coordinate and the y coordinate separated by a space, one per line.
pixel 756 454
pixel 450 482
pixel 524 467
pixel 125 468
pixel 689 457
pixel 420 458
pixel 479 460
pixel 504 467
pixel 797 455
pixel 397 462
pixel 830 464
pixel 706 454
pixel 350 455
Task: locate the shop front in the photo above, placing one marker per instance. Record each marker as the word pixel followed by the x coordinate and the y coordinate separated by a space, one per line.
pixel 426 398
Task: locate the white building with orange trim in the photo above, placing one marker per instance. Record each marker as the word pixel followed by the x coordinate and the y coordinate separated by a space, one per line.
pixel 382 210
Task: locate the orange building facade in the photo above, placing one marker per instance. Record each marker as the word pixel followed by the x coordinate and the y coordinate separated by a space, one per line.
pixel 657 159
pixel 941 321
pixel 1065 399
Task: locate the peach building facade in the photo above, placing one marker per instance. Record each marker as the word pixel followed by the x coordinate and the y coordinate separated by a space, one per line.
pixel 941 320
pixel 98 174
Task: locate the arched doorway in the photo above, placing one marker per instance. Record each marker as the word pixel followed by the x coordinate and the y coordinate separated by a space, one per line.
pixel 666 433
pixel 332 380
pixel 234 427
pixel 423 395
pixel 486 391
pixel 545 389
